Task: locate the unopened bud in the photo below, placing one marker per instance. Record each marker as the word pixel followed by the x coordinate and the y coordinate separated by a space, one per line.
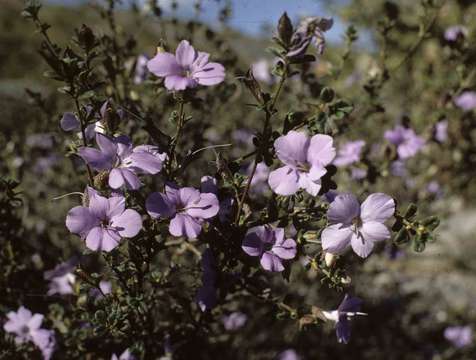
pixel 330 259
pixel 346 280
pixel 310 235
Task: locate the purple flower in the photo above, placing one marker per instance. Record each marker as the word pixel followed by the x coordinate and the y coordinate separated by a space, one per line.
pixel 23 324
pixel 441 131
pixel 126 355
pixel 315 26
pixel 108 109
pixel 187 208
pixel 330 196
pixel 305 160
pixel 406 141
pixel 208 184
pixel 46 342
pixel 141 69
pixel 105 287
pixel 433 187
pixel 44 163
pixel 27 328
pixel 358 173
pixel 270 245
pixel 40 141
pixel 357 226
pixel 289 354
pixel 466 101
pixel 186 69
pixel 61 278
pixel 310 30
pixel 398 168
pixel 243 136
pixel 69 122
pixel 455 32
pixel 234 321
pixel 459 336
pixel 261 71
pixel 348 308
pixel 349 153
pixel 104 222
pixel 123 161
pixel 259 183
pixel 206 297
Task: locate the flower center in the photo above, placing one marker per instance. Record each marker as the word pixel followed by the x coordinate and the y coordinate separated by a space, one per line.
pixel 24 329
pixel 357 222
pixel 304 167
pixel 186 72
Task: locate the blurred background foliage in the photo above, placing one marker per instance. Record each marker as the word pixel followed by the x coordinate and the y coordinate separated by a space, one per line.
pixel 402 70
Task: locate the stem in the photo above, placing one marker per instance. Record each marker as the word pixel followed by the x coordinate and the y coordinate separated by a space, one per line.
pixel 269 112
pixel 85 142
pixel 48 42
pixel 180 124
pixel 178 132
pixel 417 44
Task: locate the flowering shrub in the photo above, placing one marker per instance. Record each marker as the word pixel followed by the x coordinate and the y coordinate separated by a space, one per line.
pixel 168 240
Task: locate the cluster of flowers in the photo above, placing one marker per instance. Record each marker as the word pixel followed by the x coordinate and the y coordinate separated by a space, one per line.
pixel 105 221
pixel 102 222
pixel 27 328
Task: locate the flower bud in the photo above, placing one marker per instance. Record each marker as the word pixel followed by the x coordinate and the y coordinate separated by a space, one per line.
pixel 285 28
pixel 346 280
pixel 330 259
pixel 327 94
pixel 86 38
pixel 431 223
pixel 401 237
pixel 411 211
pixel 310 235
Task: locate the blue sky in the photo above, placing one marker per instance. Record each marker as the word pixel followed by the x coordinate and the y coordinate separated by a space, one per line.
pixel 249 16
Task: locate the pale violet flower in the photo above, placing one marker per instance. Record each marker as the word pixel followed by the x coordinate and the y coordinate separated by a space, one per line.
pixel 208 184
pixel 348 308
pixel 23 324
pixel 441 131
pixel 126 355
pixel 45 340
pixel 466 100
pixel 141 71
pixel 186 69
pixel 305 159
pixel 455 32
pixel 259 183
pixel 61 278
pixel 261 71
pixel 358 226
pixel 271 245
pixel 349 153
pixel 104 222
pixel 234 321
pixel 407 142
pixel 123 161
pixel 70 122
pixel 288 354
pixel 186 207
pixel 459 336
